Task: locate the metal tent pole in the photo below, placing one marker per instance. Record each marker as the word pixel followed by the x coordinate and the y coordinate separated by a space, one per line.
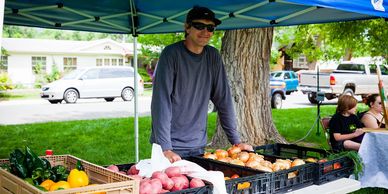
pixel 1 20
pixel 136 99
pixel 318 102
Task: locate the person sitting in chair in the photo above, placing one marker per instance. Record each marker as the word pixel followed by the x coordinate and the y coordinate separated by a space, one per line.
pixel 373 118
pixel 345 127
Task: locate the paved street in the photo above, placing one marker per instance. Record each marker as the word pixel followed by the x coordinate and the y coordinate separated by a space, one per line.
pixel 38 110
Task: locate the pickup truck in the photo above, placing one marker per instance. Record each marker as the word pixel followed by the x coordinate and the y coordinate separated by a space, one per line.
pixel 349 78
pixel 290 77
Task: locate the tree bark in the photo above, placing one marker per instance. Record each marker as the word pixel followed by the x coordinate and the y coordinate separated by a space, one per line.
pixel 246 54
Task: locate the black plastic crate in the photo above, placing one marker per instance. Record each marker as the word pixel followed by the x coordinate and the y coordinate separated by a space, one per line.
pixel 334 169
pixel 325 171
pixel 207 189
pixel 255 181
pixel 290 151
pixel 284 181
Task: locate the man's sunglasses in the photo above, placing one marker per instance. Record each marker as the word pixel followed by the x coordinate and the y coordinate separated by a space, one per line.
pixel 201 26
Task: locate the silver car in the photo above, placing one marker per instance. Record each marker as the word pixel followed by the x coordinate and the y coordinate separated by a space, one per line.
pixel 93 82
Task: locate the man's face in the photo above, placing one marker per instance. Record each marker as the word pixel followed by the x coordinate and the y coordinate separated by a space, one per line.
pixel 200 31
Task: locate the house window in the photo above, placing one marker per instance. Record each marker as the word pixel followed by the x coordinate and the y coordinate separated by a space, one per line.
pixel 98 62
pixel 38 65
pixel 4 63
pixel 107 62
pixel 300 62
pixel 114 62
pixel 69 63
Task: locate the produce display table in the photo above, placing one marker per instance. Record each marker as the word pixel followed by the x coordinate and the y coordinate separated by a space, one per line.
pixel 373 152
pixel 343 185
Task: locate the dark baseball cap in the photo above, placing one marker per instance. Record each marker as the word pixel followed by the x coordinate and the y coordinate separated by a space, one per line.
pixel 198 13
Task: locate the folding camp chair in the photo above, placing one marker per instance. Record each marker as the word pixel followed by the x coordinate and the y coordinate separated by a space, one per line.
pixel 325 126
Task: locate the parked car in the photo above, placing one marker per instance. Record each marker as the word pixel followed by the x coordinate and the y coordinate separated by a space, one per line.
pixel 93 82
pixel 290 77
pixel 278 94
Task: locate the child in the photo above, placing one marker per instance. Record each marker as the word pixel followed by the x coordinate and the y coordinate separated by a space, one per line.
pixel 345 127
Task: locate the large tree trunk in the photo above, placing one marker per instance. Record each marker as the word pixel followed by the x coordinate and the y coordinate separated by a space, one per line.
pixel 246 55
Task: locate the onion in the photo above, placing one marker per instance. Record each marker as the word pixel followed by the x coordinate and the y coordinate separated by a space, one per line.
pixel 243 156
pixel 226 159
pixel 297 162
pixel 221 153
pixel 210 156
pixel 252 163
pixel 237 162
pixel 233 150
pixel 263 168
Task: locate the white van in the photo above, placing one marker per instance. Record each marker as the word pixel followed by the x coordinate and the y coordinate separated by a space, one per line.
pixel 93 82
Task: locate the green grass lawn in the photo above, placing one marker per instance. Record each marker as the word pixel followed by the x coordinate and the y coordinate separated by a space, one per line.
pixel 107 141
pixel 111 141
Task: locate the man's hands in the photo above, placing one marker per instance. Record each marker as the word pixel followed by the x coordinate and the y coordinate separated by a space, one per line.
pixel 172 156
pixel 244 146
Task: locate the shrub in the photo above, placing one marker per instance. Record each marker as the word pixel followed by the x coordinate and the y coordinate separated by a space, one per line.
pixel 5 82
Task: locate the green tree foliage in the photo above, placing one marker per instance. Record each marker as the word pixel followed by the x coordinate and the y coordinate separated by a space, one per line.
pixel 29 32
pixel 336 40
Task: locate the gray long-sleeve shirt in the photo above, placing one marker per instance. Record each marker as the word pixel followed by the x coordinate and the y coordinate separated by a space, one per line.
pixel 183 84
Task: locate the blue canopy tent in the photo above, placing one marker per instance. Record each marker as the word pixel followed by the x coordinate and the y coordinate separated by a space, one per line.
pixel 166 16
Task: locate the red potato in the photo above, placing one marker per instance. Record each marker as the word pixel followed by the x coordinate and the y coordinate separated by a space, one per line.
pixel 145 188
pixel 133 170
pixel 186 181
pixel 173 171
pixel 136 177
pixel 113 168
pixel 160 175
pixel 156 185
pixel 179 183
pixel 122 172
pixel 196 182
pixel 167 184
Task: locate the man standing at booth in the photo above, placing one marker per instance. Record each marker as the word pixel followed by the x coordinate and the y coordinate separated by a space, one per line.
pixel 189 74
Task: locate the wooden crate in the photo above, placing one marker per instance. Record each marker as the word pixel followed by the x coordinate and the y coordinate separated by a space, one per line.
pixel 106 180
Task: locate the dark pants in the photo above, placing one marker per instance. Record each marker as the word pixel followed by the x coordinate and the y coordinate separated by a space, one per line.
pixel 187 153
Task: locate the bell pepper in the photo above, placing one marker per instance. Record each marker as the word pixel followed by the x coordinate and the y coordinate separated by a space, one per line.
pixel 78 177
pixel 17 164
pixel 59 173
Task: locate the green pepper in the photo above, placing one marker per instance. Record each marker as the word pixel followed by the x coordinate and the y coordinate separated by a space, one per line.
pixel 60 172
pixel 32 161
pixel 37 173
pixel 46 164
pixel 17 164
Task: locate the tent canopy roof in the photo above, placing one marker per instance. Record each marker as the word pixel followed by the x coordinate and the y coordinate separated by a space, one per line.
pixel 165 16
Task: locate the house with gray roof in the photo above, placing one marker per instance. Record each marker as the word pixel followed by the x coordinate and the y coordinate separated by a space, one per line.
pixel 23 56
